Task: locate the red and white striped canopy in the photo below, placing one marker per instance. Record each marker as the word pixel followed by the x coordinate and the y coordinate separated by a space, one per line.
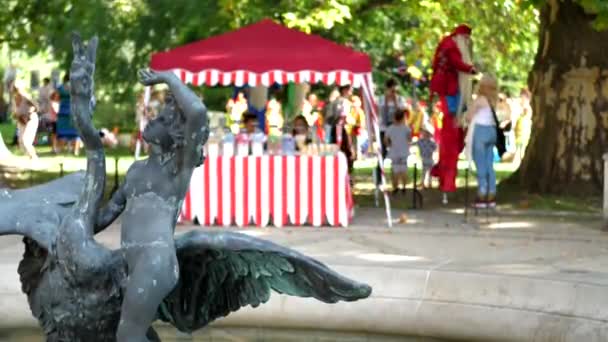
pixel 263 54
pixel 240 78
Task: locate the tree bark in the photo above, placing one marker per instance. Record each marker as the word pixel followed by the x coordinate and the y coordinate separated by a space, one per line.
pixel 569 83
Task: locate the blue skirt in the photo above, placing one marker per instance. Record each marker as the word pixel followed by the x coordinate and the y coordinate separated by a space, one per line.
pixel 65 127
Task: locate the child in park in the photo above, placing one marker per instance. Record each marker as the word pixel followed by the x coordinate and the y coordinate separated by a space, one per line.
pixel 426 146
pixel 397 138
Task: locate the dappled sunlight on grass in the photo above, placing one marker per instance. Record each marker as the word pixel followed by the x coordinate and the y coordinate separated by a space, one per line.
pixel 20 171
pixel 509 196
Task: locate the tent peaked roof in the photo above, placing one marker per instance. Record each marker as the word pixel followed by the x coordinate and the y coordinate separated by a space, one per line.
pixel 262 47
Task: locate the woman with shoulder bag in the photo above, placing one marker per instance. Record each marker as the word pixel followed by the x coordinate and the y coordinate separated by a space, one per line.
pixel 485 135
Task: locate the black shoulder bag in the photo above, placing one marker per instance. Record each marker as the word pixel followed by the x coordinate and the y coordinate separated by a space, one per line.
pixel 501 141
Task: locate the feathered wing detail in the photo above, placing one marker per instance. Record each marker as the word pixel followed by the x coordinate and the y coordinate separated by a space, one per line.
pixel 31 270
pixel 36 212
pixel 223 272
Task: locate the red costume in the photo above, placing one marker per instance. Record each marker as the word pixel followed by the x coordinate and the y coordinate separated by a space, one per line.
pixel 446 65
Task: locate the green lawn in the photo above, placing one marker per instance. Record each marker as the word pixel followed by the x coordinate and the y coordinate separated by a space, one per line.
pixel 51 166
pixel 7 130
pixel 509 196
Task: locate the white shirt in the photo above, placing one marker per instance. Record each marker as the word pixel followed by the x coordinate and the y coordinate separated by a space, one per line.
pixel 481 115
pixel 386 110
pixel 482 112
pixel 484 117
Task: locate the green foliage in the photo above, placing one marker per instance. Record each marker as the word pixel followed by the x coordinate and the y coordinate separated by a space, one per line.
pixel 505 31
pixel 109 115
pixel 216 97
pixel 504 34
pixel 600 9
pixel 7 131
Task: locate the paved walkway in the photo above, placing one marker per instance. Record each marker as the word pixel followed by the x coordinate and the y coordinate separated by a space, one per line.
pixel 504 278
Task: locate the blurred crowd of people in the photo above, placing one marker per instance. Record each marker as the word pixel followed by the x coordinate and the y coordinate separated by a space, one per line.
pixel 436 136
pixel 48 113
pixel 46 116
pixel 339 120
pixel 518 112
pixel 406 127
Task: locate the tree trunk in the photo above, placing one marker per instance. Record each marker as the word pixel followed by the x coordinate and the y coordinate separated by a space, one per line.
pixel 569 83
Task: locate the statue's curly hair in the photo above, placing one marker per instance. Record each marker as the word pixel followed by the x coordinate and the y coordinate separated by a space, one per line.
pixel 177 130
pixel 177 134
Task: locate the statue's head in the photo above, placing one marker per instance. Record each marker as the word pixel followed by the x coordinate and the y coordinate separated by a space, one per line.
pixel 166 131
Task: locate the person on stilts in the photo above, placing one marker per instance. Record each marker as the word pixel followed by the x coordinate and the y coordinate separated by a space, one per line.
pixel 452 69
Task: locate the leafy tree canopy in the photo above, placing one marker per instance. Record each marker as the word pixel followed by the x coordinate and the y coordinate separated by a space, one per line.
pixel 505 31
pixel 597 8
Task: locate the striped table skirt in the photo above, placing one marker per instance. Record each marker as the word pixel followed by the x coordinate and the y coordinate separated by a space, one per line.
pixel 270 190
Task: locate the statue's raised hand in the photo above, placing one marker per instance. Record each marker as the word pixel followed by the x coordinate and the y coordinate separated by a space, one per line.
pixel 150 77
pixel 83 67
pixel 82 95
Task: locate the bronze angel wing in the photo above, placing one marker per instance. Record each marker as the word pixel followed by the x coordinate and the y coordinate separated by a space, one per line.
pixel 36 212
pixel 223 272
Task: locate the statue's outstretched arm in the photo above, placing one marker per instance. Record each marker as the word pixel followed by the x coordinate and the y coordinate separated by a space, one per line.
pixel 187 100
pixel 82 103
pixel 81 92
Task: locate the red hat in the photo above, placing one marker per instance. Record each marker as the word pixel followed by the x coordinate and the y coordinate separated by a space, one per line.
pixel 462 29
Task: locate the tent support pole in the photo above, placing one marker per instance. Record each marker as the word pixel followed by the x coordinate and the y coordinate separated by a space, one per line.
pixel 372 121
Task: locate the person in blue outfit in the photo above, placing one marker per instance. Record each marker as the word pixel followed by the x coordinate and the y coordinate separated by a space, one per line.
pixel 66 132
pixel 427 147
pixel 482 121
